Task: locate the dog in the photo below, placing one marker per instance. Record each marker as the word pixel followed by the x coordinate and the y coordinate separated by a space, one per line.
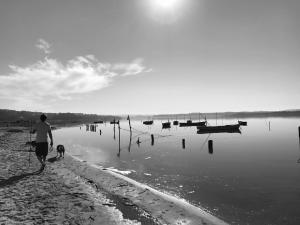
pixel 60 150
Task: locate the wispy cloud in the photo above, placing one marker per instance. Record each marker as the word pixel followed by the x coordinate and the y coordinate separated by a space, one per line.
pixel 44 46
pixel 133 68
pixel 50 80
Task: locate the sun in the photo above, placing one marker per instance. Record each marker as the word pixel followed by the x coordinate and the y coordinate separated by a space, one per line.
pixel 166 4
pixel 166 11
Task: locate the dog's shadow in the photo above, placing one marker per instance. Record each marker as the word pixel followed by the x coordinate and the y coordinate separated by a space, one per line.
pixel 54 159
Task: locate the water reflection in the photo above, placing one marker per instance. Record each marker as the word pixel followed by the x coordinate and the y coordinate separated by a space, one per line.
pixel 249 177
pixel 210 147
pixel 299 144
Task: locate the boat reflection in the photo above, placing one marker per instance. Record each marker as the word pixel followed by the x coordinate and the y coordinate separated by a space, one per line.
pixel 235 128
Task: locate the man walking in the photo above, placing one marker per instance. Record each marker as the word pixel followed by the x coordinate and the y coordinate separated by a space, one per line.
pixel 42 128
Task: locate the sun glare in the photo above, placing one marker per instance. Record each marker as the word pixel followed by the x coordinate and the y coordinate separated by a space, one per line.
pixel 166 11
pixel 166 4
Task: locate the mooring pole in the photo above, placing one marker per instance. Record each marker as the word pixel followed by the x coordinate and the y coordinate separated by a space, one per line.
pixel 299 142
pixel 114 132
pixel 130 135
pixel 138 142
pixel 128 118
pixel 210 147
pixel 119 135
pixel 130 139
pixel 269 125
pixel 183 143
pixel 152 139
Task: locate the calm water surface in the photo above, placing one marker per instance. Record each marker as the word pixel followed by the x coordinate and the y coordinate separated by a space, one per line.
pixel 250 178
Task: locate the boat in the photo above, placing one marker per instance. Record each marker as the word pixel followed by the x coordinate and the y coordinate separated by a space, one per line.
pixel 175 122
pixel 114 122
pixel 166 125
pixel 190 123
pixel 100 121
pixel 148 122
pixel 242 123
pixel 234 128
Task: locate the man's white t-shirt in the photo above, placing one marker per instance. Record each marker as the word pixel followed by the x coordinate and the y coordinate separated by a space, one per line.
pixel 42 129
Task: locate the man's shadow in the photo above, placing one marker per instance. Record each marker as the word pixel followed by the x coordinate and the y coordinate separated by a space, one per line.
pixel 15 179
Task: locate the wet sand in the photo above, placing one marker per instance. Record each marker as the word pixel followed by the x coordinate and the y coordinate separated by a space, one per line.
pixel 70 191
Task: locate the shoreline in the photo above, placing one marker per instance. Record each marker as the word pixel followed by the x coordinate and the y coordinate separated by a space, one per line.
pixel 47 197
pixel 131 201
pixel 165 208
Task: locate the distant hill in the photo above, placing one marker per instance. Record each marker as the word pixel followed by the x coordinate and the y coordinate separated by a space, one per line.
pixel 23 117
pixel 238 115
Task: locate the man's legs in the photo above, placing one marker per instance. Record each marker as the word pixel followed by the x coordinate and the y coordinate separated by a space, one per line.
pixel 41 153
pixel 40 159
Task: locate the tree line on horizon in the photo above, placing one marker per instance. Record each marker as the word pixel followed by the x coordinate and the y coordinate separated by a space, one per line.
pixel 24 117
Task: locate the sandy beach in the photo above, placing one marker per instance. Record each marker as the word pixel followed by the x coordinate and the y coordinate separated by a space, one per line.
pixel 70 191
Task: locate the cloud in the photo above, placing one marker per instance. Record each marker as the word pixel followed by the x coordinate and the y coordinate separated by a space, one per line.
pixel 133 68
pixel 44 46
pixel 49 80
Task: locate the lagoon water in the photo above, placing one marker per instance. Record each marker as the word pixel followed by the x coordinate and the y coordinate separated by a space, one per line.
pixel 249 178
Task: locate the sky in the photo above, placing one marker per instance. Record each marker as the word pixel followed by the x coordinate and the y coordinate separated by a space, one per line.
pixel 149 56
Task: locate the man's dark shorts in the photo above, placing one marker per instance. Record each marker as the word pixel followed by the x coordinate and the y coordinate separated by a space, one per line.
pixel 41 149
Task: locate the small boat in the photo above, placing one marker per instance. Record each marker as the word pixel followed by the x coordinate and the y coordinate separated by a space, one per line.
pixel 100 121
pixel 175 122
pixel 189 123
pixel 166 125
pixel 242 123
pixel 148 122
pixel 114 122
pixel 234 128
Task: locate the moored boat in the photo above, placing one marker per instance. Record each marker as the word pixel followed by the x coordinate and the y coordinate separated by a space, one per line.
pixel 189 123
pixel 148 122
pixel 175 122
pixel 166 125
pixel 114 122
pixel 242 123
pixel 100 121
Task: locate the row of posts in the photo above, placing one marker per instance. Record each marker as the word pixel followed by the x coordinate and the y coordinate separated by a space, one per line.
pixel 210 142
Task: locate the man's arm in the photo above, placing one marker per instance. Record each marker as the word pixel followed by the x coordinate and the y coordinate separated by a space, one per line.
pixel 50 135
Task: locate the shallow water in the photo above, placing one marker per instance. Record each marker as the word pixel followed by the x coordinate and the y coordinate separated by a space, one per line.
pixel 249 178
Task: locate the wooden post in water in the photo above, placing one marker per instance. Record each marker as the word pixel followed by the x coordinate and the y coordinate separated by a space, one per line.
pixel 210 147
pixel 138 142
pixel 299 142
pixel 269 125
pixel 114 129
pixel 119 136
pixel 130 138
pixel 128 118
pixel 183 143
pixel 152 139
